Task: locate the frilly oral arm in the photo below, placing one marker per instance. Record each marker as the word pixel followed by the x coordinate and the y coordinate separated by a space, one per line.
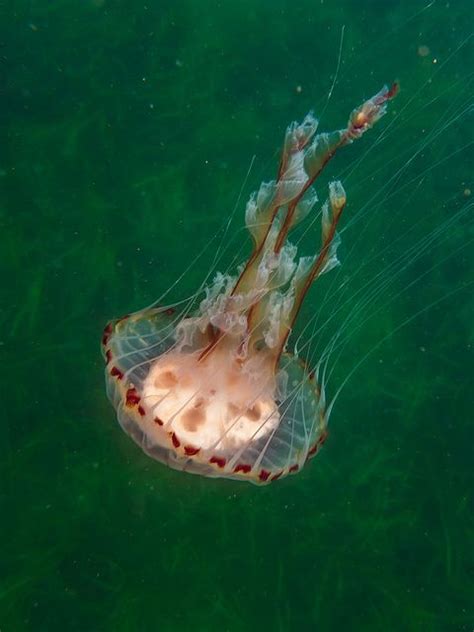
pixel 303 158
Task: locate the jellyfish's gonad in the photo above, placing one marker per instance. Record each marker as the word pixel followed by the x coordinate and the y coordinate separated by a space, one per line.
pixel 216 392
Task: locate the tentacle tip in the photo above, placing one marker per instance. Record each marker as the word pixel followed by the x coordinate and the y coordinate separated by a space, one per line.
pixel 394 89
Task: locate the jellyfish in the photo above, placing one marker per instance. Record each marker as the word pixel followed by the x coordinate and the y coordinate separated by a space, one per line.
pixel 216 390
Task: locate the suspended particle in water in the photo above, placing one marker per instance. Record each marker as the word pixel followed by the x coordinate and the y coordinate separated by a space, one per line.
pixel 423 50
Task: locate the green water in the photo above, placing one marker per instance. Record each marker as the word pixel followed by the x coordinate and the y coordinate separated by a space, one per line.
pixel 128 133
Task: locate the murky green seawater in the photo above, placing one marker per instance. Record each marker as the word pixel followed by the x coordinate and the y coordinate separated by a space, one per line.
pixel 130 130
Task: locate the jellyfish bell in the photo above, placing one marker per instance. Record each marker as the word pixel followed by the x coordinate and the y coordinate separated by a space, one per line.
pixel 217 390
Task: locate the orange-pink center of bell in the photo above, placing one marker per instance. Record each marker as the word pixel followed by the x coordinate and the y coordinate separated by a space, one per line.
pixel 212 404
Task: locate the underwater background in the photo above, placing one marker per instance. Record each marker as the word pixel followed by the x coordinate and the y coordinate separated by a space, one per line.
pixel 128 136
